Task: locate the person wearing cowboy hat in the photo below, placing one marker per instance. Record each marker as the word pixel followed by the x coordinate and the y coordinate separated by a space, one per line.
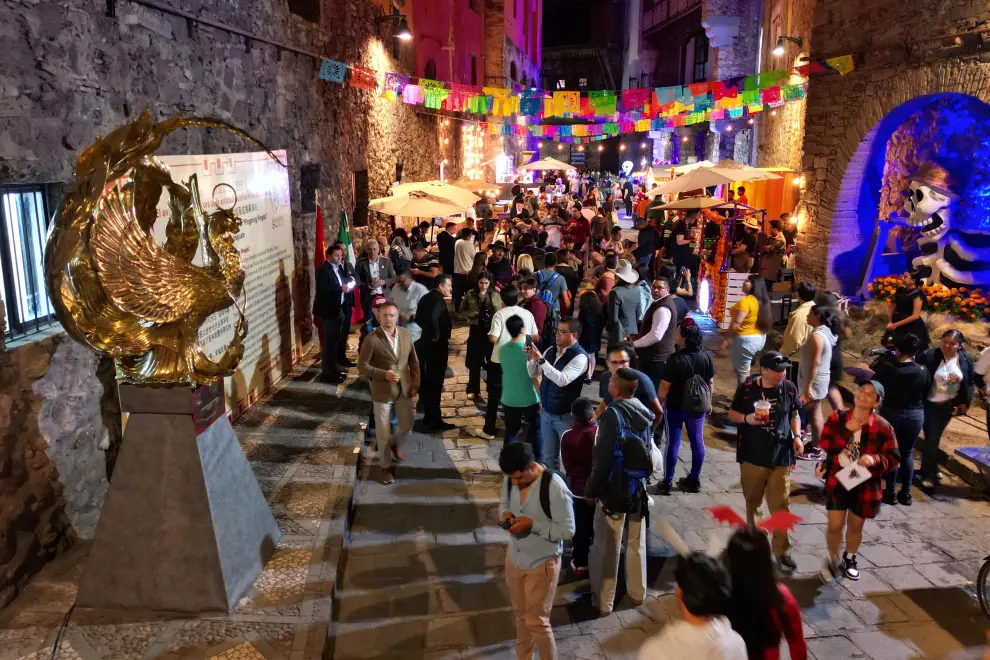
pixel 499 265
pixel 625 305
pixel 744 252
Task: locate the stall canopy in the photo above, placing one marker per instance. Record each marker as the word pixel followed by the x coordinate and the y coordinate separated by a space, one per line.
pixel 463 198
pixel 416 204
pixel 547 164
pixel 701 202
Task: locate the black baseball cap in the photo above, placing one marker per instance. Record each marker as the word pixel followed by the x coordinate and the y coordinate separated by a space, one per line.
pixel 775 361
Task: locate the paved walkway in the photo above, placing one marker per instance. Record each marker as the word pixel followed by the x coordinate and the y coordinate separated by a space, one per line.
pixel 302 446
pixel 423 572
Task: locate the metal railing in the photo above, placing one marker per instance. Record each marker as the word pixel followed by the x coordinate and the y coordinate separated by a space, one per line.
pixel 665 11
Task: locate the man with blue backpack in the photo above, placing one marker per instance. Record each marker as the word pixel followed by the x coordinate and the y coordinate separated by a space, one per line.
pixel 624 460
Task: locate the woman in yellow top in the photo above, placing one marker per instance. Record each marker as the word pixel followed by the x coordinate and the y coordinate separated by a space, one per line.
pixel 750 320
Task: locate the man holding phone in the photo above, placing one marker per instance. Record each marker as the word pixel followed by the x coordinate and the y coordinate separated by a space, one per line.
pixel 536 509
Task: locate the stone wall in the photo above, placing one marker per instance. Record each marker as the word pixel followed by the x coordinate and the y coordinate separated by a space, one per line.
pixel 894 65
pixel 733 27
pixel 781 133
pixel 54 448
pixel 71 73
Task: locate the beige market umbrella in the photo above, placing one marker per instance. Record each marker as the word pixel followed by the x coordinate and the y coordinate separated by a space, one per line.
pixel 416 204
pixel 690 167
pixel 547 164
pixel 703 177
pixel 700 202
pixel 460 196
pixel 743 172
pixel 474 184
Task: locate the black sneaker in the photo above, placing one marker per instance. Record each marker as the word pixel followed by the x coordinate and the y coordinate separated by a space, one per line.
pixel 663 489
pixel 849 566
pixel 888 498
pixel 689 485
pixel 904 497
pixel 787 563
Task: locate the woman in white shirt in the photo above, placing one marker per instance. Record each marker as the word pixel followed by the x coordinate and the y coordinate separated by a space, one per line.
pixel 951 392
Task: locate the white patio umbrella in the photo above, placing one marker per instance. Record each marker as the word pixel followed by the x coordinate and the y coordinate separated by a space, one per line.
pixel 690 167
pixel 474 184
pixel 416 204
pixel 547 164
pixel 743 172
pixel 460 196
pixel 703 177
pixel 700 202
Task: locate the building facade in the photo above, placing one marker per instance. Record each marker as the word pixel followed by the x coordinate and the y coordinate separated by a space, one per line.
pixel 448 40
pixel 513 42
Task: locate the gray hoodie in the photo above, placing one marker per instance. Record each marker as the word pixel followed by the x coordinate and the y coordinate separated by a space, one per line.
pixel 637 416
pixel 714 641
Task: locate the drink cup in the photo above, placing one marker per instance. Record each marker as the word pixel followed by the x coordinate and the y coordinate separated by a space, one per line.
pixel 762 411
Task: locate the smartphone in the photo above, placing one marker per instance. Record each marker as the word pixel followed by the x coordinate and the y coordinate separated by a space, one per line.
pixel 506 524
pixel 529 343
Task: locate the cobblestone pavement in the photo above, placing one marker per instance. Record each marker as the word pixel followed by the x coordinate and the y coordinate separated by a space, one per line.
pixel 423 574
pixel 301 443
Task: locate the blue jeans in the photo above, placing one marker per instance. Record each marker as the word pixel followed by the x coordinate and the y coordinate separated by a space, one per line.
pixel 676 419
pixel 744 349
pixel 907 426
pixel 937 417
pixel 514 417
pixel 551 428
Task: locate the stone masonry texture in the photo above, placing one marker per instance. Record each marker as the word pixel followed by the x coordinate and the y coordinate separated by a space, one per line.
pixel 894 65
pixel 72 73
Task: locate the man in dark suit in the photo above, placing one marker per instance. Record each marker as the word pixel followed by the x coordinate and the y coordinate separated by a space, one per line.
pixel 445 246
pixel 333 285
pixel 375 273
pixel 432 348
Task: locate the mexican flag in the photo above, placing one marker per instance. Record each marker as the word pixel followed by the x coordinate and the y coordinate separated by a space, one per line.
pixel 344 236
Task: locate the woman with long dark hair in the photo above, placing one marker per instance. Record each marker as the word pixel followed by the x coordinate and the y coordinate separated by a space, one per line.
pixel 690 360
pixel 751 320
pixel 763 610
pixel 905 314
pixel 951 369
pixel 478 308
pixel 814 371
pixel 399 250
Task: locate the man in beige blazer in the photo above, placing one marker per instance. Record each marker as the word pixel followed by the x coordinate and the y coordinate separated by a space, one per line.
pixel 388 358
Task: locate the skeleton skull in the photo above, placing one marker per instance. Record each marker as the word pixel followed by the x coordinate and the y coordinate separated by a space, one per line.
pixel 928 210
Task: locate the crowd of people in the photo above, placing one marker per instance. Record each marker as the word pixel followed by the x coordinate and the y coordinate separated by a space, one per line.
pixel 541 292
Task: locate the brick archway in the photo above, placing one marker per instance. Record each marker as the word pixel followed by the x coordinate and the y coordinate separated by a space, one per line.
pixel 843 118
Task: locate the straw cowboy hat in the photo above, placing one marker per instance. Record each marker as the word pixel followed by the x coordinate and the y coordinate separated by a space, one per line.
pixel 752 223
pixel 624 271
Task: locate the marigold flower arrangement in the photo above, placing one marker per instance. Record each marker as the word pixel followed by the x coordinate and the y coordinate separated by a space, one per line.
pixel 967 304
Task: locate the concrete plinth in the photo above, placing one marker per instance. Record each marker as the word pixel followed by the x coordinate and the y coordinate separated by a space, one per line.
pixel 185 527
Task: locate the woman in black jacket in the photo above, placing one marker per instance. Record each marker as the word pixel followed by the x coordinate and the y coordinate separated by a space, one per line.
pixel 951 368
pixel 907 384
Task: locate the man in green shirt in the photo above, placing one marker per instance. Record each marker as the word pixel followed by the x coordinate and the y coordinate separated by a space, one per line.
pixel 520 400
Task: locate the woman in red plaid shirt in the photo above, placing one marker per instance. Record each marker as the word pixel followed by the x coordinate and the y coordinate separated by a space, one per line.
pixel 855 436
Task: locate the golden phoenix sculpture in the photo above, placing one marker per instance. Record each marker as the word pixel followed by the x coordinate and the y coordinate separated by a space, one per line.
pixel 115 288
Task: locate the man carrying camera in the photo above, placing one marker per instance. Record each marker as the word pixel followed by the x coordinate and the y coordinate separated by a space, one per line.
pixel 765 408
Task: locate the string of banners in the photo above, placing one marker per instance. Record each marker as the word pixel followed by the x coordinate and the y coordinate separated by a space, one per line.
pixel 611 112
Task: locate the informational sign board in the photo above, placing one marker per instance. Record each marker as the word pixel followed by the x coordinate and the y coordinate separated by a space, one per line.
pixel 258 188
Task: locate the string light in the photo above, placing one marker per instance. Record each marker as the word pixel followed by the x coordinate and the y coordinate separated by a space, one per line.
pixel 773 113
pixel 684 139
pixel 728 128
pixel 642 146
pixel 622 147
pixel 750 121
pixel 581 148
pixel 560 147
pixel 601 148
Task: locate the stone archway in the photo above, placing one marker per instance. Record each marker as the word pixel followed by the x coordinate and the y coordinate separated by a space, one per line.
pixel 845 117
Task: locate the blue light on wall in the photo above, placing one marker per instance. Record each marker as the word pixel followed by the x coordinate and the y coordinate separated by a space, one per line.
pixel 960 142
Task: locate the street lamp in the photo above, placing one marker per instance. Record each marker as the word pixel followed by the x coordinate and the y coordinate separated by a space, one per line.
pixel 778 49
pixel 402 30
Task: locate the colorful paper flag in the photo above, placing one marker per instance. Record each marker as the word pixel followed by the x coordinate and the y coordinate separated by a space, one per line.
pixel 364 78
pixel 332 71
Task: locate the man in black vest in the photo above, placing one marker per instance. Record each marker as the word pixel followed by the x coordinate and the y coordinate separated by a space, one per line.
pixel 433 347
pixel 563 369
pixel 655 344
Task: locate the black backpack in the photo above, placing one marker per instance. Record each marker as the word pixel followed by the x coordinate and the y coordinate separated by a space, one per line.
pixel 631 470
pixel 548 333
pixel 697 398
pixel 545 480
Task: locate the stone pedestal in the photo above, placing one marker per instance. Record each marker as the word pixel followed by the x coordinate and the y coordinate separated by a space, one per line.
pixel 185 527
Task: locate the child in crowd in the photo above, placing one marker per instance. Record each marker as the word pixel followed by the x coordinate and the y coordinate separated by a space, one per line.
pixel 592 319
pixel 577 448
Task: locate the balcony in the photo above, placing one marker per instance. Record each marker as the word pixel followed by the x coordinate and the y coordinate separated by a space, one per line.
pixel 661 12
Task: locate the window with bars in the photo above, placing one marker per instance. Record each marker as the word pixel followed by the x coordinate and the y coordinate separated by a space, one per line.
pixel 24 220
pixel 582 82
pixel 700 58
